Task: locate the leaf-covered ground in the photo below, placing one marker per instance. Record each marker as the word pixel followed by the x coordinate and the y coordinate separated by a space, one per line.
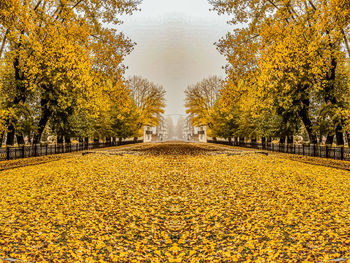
pixel 175 203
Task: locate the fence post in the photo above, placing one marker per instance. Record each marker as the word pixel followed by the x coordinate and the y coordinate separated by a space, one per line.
pixel 55 148
pixel 326 151
pixel 314 150
pixel 23 151
pixel 46 148
pixel 303 149
pixel 342 153
pixel 7 153
pixel 35 149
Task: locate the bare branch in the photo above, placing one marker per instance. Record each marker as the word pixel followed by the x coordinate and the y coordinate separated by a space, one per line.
pixel 77 4
pixel 312 5
pixel 37 5
pixel 272 3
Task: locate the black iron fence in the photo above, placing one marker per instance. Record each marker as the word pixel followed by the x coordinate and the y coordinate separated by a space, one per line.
pixel 338 153
pixel 12 153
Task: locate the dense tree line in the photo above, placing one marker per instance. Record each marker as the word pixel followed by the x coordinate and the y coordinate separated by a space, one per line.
pixel 287 71
pixel 62 72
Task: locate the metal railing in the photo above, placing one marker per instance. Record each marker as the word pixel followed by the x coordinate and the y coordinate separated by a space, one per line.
pixel 12 153
pixel 338 153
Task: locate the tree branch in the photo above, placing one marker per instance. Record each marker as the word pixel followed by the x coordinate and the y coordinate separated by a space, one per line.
pixel 77 4
pixel 275 6
pixel 346 42
pixel 272 3
pixel 3 42
pixel 312 5
pixel 37 5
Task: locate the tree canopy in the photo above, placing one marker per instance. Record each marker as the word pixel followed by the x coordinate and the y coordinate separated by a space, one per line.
pixel 288 66
pixel 61 67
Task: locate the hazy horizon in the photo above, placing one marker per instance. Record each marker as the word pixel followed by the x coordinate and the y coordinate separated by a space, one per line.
pixel 175 45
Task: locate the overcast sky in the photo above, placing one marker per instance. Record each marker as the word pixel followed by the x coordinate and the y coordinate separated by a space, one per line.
pixel 175 45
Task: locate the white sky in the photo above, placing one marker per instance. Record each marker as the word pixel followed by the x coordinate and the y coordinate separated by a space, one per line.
pixel 175 45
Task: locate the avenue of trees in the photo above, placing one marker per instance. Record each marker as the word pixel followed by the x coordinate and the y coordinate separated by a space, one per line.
pixel 287 73
pixel 62 73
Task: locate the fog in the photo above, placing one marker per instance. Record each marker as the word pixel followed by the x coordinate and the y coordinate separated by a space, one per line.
pixel 175 45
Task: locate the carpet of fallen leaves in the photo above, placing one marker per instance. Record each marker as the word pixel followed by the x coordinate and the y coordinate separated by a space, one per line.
pixel 175 203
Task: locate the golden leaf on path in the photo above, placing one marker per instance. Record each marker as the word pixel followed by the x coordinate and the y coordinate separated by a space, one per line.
pixel 190 205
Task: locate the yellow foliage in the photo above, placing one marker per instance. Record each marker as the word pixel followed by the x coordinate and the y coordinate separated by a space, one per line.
pixel 63 57
pixel 200 100
pixel 149 99
pixel 288 58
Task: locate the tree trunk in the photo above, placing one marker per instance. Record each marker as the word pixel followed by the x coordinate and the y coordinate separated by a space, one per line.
pixel 10 139
pixel 305 117
pixel 346 42
pixel 20 139
pixel 96 140
pixel 241 140
pixel 339 135
pixel 230 140
pixel 263 142
pixel 44 118
pixel 2 138
pixel 19 98
pixel 330 139
pixel 348 138
pixel 269 139
pixel 330 97
pixel 282 140
pixel 29 137
pixel 290 139
pixel 67 139
pixel 86 143
pixel 135 139
pixel 320 138
pixel 59 139
pixel 42 124
pixel 121 140
pixel 253 140
pixel 81 139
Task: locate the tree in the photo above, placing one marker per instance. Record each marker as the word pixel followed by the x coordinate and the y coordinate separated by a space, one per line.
pixel 200 100
pixel 289 54
pixel 149 99
pixel 124 124
pixel 224 126
pixel 64 53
